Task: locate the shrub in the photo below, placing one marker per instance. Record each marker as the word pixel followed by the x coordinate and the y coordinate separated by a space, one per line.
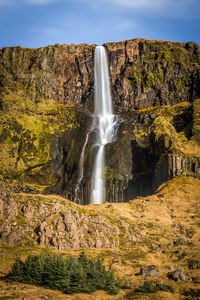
pixel 70 275
pixel 147 287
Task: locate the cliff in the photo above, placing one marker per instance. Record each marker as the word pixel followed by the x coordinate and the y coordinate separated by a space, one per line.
pixel 46 108
pixel 151 73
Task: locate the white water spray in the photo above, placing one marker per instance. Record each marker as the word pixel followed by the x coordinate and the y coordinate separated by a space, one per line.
pixel 104 122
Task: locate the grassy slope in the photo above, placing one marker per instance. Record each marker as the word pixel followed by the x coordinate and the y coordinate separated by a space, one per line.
pixel 171 213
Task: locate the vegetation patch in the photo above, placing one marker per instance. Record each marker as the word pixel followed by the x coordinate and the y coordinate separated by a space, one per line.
pixel 70 275
pixel 8 297
pixel 149 287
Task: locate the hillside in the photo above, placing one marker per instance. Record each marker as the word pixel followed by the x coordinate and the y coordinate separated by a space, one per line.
pixel 160 230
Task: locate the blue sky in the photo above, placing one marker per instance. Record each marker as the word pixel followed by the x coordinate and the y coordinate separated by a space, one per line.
pixel 37 23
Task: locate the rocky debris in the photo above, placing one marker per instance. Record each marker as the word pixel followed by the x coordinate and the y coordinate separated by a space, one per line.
pixel 149 271
pixel 194 264
pixel 57 225
pixel 180 241
pixel 177 275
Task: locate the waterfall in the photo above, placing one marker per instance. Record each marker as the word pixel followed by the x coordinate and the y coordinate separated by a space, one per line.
pixel 104 122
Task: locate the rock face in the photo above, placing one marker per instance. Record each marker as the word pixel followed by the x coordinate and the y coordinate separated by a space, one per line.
pixel 63 73
pixel 46 108
pixel 148 73
pixel 143 72
pixel 56 223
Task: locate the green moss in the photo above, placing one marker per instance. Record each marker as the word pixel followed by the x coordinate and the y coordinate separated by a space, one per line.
pixel 135 75
pixel 20 218
pixel 164 132
pixel 110 173
pixel 27 131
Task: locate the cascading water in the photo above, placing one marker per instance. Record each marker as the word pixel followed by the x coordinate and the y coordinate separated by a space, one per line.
pixel 104 122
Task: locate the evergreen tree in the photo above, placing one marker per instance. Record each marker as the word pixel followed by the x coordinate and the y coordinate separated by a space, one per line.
pixel 17 273
pixel 70 275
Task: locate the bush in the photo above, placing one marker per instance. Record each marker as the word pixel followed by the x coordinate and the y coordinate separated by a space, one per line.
pixel 70 275
pixel 147 287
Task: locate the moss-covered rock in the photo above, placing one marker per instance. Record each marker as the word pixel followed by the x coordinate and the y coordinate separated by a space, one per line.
pixel 27 133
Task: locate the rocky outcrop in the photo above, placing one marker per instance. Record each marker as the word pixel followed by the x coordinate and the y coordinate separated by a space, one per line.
pixel 56 223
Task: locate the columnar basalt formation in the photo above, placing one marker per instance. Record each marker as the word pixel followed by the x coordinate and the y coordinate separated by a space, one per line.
pixel 46 107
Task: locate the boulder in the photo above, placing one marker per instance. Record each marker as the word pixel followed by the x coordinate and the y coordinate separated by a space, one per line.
pixel 149 271
pixel 194 264
pixel 177 275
